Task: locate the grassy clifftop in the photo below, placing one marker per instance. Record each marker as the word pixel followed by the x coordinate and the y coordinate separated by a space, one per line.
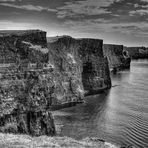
pixel 25 141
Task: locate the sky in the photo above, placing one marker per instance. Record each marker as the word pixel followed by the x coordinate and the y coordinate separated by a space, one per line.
pixel 115 21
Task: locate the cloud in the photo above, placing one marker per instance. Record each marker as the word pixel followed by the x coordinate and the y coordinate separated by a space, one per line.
pixel 9 0
pixel 83 7
pixel 28 7
pixel 140 12
pixel 140 9
pixel 105 16
pixel 99 26
pixel 144 0
pixel 10 25
pixel 136 5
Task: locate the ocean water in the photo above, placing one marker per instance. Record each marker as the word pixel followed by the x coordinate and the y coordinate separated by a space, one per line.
pixel 119 115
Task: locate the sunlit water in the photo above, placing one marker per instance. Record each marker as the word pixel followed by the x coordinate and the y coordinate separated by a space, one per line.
pixel 119 116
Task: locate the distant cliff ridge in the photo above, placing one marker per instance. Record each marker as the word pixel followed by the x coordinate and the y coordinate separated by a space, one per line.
pixel 137 52
pixel 118 57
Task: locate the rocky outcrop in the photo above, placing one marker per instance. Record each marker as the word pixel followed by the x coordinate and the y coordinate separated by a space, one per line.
pixel 118 57
pixel 137 52
pixel 25 87
pixel 81 59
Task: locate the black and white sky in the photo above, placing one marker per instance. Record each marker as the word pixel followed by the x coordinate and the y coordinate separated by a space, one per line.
pixel 114 21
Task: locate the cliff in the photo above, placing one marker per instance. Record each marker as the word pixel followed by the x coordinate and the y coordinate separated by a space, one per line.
pixel 86 62
pixel 67 75
pixel 137 52
pixel 25 86
pixel 36 77
pixel 118 57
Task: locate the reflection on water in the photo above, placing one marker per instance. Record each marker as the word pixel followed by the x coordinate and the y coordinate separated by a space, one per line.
pixel 119 115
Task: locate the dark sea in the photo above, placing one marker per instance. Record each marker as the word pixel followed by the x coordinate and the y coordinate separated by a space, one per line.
pixel 119 115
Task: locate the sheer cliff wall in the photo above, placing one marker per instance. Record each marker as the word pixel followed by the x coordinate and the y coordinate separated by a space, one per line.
pixel 64 58
pixel 117 57
pixel 92 68
pixel 25 86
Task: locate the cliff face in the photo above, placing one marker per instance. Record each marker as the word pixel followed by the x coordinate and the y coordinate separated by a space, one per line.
pixel 25 86
pixel 95 75
pixel 35 78
pixel 63 56
pixel 86 55
pixel 137 52
pixel 117 57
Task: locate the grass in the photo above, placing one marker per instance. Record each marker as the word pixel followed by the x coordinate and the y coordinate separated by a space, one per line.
pixel 25 141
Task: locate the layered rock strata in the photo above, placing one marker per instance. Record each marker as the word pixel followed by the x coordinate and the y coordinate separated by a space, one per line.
pixel 25 87
pixel 118 57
